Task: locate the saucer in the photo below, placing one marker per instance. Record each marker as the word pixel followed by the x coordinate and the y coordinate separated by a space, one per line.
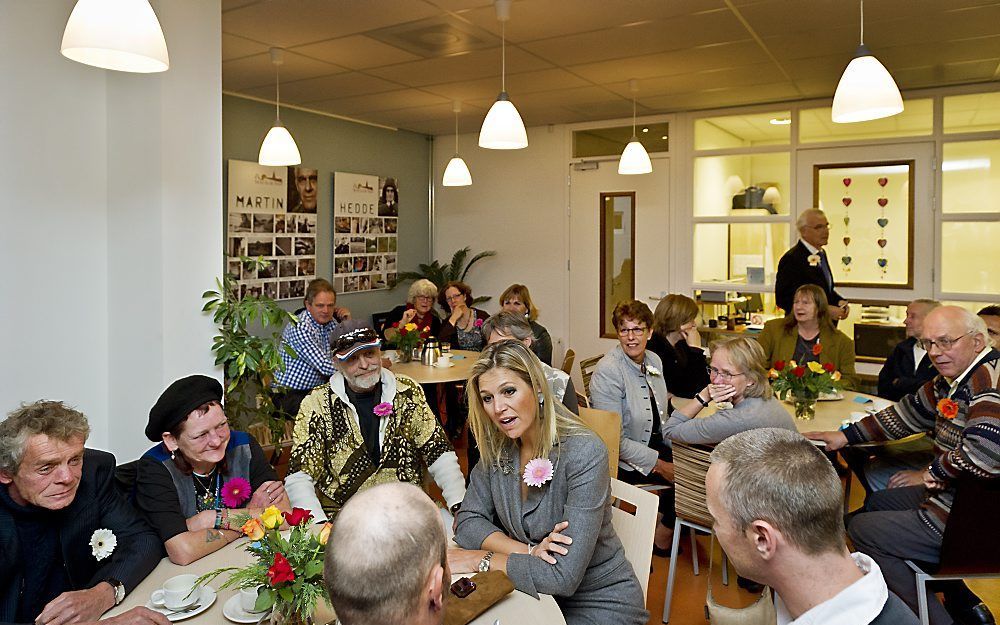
pixel 205 600
pixel 450 364
pixel 233 611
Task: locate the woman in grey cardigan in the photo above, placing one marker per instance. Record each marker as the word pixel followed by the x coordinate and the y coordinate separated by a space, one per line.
pixel 544 477
pixel 738 384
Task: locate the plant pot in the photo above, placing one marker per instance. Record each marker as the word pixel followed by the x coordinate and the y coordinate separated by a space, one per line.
pixel 805 407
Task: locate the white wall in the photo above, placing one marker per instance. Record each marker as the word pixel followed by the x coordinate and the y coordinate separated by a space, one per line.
pixel 111 225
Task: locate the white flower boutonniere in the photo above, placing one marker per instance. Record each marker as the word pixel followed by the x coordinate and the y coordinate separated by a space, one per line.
pixel 813 260
pixel 653 371
pixel 103 543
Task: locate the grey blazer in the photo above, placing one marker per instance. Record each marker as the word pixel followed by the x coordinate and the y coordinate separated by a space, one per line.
pixel 750 414
pixel 593 583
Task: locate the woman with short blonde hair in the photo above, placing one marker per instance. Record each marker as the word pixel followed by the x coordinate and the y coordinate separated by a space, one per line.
pixel 516 299
pixel 418 309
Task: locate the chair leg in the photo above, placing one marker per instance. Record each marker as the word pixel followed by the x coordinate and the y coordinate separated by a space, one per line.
pixel 922 599
pixel 674 548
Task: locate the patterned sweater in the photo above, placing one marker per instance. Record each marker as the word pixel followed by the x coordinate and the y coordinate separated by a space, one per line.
pixel 970 442
pixel 327 444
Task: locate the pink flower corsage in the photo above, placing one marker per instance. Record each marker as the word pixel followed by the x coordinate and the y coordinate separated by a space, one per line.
pixel 478 323
pixel 384 409
pixel 537 471
pixel 235 492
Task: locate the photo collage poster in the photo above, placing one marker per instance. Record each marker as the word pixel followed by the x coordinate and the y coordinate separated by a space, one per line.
pixel 272 213
pixel 365 222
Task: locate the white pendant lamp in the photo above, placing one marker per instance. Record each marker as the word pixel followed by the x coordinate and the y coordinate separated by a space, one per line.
pixel 503 129
pixel 456 174
pixel 123 35
pixel 866 90
pixel 635 159
pixel 278 148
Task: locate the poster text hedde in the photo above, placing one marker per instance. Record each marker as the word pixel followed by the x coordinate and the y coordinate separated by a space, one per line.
pixel 358 208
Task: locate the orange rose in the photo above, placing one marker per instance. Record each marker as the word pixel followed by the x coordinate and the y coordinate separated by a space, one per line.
pixel 324 534
pixel 817 349
pixel 948 408
pixel 253 529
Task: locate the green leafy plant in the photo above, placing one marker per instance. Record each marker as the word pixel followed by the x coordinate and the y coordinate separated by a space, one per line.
pixel 441 274
pixel 249 360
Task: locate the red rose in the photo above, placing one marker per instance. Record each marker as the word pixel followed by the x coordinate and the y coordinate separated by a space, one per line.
pixel 817 349
pixel 280 571
pixel 779 365
pixel 297 516
pixel 799 371
pixel 395 324
pixel 828 366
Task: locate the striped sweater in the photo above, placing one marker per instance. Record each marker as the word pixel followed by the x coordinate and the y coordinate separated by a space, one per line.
pixel 969 442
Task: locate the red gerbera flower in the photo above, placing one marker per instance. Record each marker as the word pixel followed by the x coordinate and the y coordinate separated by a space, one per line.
pixel 948 408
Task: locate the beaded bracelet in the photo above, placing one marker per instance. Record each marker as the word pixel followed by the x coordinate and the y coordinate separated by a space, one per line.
pixel 218 519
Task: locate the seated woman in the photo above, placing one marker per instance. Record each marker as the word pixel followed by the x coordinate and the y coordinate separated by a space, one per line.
pixel 738 376
pixel 517 300
pixel 508 325
pixel 807 333
pixel 555 535
pixel 677 342
pixel 200 474
pixel 629 381
pixel 418 309
pixel 461 328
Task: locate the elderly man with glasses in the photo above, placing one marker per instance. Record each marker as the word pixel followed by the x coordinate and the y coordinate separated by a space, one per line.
pixel 367 426
pixel 806 263
pixel 961 406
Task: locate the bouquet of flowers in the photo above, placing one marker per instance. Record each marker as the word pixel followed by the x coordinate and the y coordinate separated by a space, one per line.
pixel 407 337
pixel 288 573
pixel 805 382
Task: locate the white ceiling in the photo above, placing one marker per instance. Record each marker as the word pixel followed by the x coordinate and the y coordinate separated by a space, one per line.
pixel 402 63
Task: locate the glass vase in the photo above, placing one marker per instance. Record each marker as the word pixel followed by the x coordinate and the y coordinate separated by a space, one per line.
pixel 805 406
pixel 404 354
pixel 279 617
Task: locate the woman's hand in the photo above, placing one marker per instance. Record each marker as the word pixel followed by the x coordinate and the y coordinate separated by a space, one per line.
pixel 690 333
pixel 553 544
pixel 204 520
pixel 408 316
pixel 721 392
pixel 268 494
pixel 457 312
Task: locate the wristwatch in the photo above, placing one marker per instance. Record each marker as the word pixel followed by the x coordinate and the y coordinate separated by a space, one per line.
pixel 700 400
pixel 119 589
pixel 484 564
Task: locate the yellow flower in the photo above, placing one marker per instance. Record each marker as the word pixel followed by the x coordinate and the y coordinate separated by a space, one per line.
pixel 410 327
pixel 836 376
pixel 253 529
pixel 271 518
pixel 815 367
pixel 324 534
pixel 773 374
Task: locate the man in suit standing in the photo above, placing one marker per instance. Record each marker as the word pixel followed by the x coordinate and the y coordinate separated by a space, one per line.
pixel 71 546
pixel 806 263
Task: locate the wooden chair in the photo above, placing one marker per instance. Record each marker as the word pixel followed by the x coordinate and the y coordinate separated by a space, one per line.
pixel 587 366
pixel 379 320
pixel 691 464
pixel 608 426
pixel 969 550
pixel 568 360
pixel 635 526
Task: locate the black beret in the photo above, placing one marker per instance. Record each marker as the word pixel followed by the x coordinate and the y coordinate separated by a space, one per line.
pixel 177 402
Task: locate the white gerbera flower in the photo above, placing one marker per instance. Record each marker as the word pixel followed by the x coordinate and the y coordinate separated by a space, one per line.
pixel 103 542
pixel 814 260
pixel 653 371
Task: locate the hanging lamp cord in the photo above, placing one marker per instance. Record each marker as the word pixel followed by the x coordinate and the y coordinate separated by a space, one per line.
pixel 277 91
pixel 862 22
pixel 456 132
pixel 503 56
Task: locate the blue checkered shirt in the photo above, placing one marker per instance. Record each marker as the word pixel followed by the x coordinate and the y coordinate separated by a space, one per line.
pixel 314 364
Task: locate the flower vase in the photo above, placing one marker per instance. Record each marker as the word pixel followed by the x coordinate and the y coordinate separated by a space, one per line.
pixel 805 406
pixel 279 617
pixel 404 355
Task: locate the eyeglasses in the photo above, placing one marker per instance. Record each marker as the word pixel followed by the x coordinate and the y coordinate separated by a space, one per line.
pixel 361 335
pixel 452 298
pixel 428 298
pixel 632 331
pixel 722 375
pixel 943 344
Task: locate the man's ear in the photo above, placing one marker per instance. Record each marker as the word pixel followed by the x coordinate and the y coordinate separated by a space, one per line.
pixel 6 478
pixel 436 588
pixel 765 538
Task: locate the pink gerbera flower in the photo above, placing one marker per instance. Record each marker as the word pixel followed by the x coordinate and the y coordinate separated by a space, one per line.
pixel 235 492
pixel 384 409
pixel 537 471
pixel 479 323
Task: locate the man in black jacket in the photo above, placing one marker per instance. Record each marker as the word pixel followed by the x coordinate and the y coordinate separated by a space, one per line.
pixel 70 546
pixel 806 263
pixel 908 368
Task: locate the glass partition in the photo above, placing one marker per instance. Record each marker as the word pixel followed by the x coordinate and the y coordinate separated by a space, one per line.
pixel 740 185
pixel 970 257
pixel 741 253
pixel 969 181
pixel 743 131
pixel 917 119
pixel 975 112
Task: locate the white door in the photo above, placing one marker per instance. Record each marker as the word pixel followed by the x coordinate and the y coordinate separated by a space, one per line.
pixel 652 201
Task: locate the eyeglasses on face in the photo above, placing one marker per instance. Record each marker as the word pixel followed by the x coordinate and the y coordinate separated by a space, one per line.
pixel 427 298
pixel 721 375
pixel 944 344
pixel 456 296
pixel 637 331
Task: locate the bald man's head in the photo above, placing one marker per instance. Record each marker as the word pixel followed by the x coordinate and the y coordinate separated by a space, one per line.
pixel 386 557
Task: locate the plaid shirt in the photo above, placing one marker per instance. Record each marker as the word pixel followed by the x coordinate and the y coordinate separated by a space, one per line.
pixel 314 364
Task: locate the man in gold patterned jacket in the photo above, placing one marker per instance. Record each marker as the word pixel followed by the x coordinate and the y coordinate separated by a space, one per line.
pixel 367 426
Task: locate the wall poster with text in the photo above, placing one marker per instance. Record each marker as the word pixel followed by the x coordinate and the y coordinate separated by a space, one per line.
pixel 365 222
pixel 272 214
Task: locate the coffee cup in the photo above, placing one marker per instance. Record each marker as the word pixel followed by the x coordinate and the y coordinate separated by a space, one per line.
pixel 444 361
pixel 248 599
pixel 177 592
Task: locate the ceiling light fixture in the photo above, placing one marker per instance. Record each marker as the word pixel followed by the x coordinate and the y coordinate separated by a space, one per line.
pixel 456 174
pixel 780 121
pixel 634 158
pixel 503 129
pixel 123 35
pixel 866 90
pixel 278 148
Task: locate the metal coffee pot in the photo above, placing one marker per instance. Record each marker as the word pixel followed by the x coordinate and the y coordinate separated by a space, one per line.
pixel 431 352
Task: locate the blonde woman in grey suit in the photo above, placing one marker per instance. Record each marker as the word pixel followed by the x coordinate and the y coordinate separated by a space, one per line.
pixel 554 538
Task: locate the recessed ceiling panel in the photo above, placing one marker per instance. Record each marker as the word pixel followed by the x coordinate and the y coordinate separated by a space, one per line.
pixel 356 52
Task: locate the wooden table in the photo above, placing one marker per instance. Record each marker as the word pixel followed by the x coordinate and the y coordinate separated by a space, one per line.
pixel 517 607
pixel 433 375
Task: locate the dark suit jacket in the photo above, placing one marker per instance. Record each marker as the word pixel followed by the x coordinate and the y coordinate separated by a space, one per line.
pixel 897 377
pixel 97 505
pixel 794 271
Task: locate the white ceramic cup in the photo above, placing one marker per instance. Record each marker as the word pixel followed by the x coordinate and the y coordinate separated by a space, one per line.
pixel 248 598
pixel 177 592
pixel 443 361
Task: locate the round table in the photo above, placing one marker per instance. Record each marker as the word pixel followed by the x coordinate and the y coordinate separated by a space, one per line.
pixel 462 361
pixel 516 607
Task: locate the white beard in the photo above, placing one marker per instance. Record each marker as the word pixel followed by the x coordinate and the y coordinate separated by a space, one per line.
pixel 365 381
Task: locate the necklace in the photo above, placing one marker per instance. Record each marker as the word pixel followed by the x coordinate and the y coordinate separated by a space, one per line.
pixel 209 499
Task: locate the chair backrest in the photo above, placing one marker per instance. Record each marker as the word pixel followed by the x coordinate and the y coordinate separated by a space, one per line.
pixel 635 529
pixel 378 321
pixel 568 360
pixel 969 547
pixel 587 366
pixel 608 426
pixel 691 464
